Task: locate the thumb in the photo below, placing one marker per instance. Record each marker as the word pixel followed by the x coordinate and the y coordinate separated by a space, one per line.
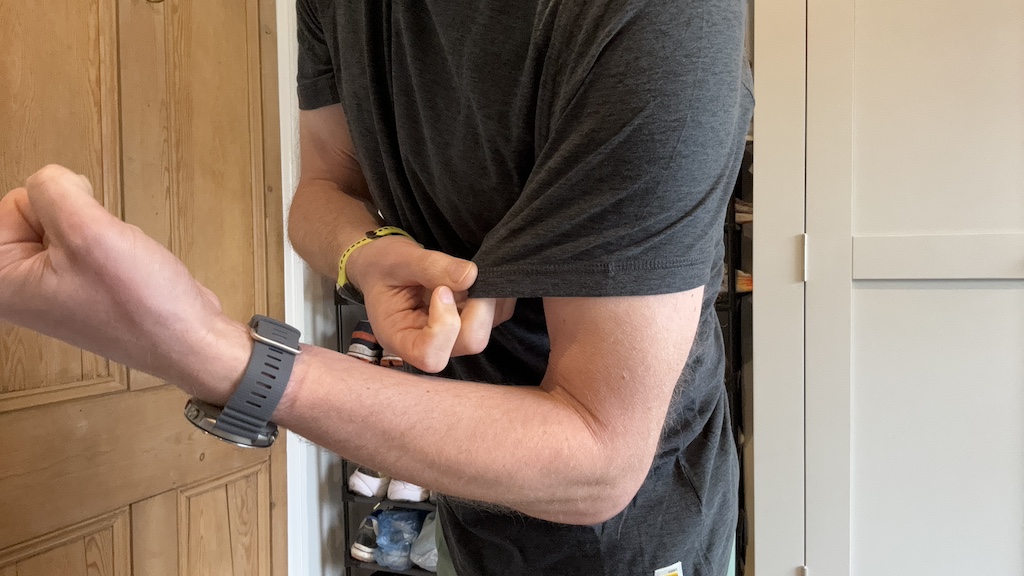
pixel 432 269
pixel 433 344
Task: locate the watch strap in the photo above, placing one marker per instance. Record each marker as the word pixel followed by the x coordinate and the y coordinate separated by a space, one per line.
pixel 274 349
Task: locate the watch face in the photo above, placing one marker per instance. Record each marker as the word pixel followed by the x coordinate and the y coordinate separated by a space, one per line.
pixel 204 416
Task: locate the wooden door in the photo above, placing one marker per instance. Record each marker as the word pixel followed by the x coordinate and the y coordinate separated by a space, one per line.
pixel 170 109
pixel 915 294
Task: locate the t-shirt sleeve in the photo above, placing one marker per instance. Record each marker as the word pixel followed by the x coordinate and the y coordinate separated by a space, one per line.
pixel 641 116
pixel 317 84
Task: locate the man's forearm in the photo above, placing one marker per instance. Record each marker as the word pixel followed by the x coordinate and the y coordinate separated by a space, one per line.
pixel 323 221
pixel 523 448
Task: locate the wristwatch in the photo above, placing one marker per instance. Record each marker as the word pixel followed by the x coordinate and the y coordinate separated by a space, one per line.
pixel 245 421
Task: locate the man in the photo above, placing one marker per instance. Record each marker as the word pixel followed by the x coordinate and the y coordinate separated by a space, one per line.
pixel 561 170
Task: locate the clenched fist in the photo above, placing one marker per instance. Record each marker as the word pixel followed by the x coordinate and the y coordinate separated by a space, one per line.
pixel 71 270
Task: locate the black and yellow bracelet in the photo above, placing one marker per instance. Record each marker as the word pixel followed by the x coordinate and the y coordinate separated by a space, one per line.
pixel 345 288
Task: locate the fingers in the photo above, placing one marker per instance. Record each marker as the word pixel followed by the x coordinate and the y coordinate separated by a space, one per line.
pixel 65 206
pixel 18 221
pixel 503 311
pixel 477 320
pixel 479 317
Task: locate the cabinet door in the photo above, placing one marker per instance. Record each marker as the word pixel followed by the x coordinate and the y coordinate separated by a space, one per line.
pixel 161 105
pixel 915 298
pixel 776 442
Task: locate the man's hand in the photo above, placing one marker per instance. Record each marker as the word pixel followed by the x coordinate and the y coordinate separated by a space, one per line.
pixel 71 270
pixel 333 207
pixel 416 302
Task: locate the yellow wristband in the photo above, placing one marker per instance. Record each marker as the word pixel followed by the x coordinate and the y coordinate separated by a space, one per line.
pixel 370 237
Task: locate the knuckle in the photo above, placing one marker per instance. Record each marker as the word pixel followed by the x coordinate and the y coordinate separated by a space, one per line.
pixel 47 173
pixel 436 264
pixel 472 342
pixel 478 341
pixel 434 362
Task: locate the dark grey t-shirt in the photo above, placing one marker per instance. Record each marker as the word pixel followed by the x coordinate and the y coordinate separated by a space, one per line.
pixel 569 148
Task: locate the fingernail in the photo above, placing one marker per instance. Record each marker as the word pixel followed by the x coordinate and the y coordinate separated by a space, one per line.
pixel 446 295
pixel 459 270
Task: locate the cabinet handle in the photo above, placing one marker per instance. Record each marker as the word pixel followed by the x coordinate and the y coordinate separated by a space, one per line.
pixel 154 1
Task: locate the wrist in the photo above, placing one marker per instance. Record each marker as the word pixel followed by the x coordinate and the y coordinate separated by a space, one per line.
pixel 221 361
pixel 366 259
pixel 292 392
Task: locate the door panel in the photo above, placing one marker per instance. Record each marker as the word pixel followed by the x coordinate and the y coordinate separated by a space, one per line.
pixel 216 146
pixel 225 515
pixel 51 82
pixel 938 427
pixel 170 99
pixel 193 527
pixel 97 547
pixel 937 105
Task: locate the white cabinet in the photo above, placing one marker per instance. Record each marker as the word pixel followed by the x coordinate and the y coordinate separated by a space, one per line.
pixel 912 393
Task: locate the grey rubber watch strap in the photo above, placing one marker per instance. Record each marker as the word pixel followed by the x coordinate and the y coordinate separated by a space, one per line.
pixel 273 356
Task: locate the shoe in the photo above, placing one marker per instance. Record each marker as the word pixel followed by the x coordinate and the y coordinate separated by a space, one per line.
pixel 364 345
pixel 743 211
pixel 406 492
pixel 744 282
pixel 369 483
pixel 365 542
pixel 390 360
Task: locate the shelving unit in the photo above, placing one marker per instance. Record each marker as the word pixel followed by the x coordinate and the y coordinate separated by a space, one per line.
pixel 355 507
pixel 735 324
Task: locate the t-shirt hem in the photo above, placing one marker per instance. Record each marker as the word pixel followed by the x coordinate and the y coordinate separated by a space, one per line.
pixel 317 93
pixel 643 278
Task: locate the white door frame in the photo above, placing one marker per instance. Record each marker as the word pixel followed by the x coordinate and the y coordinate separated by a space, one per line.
pixel 309 307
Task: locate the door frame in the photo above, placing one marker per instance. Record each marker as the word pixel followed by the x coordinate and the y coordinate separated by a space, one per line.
pixel 313 473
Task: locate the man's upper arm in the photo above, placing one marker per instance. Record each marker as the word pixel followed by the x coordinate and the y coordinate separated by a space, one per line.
pixel 327 152
pixel 617 362
pixel 638 144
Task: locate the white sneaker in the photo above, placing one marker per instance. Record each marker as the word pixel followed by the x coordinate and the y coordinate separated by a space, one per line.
pixel 406 492
pixel 370 483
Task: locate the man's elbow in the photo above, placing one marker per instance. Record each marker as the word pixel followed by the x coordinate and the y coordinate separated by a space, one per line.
pixel 610 495
pixel 296 215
